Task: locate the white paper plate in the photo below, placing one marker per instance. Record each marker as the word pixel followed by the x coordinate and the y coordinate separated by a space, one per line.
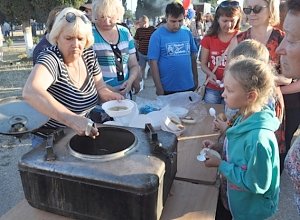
pixel 165 128
pixel 179 111
pixel 201 157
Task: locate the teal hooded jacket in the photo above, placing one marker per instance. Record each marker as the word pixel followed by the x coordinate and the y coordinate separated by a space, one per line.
pixel 252 166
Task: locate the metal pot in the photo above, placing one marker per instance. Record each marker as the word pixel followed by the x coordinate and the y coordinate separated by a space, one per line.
pixel 132 184
pixel 18 117
pixel 112 143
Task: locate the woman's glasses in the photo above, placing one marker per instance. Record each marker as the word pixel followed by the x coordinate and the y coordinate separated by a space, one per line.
pixel 256 9
pixel 71 17
pixel 229 4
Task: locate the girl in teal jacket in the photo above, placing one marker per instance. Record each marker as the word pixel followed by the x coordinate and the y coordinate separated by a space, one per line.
pixel 252 159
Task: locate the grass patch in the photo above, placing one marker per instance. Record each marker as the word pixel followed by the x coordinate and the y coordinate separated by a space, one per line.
pixel 14 71
pixel 13 53
pixel 12 82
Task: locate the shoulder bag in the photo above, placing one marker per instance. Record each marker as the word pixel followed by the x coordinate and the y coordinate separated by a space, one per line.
pixel 201 89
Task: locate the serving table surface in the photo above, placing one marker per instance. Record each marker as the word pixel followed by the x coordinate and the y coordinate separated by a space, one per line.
pixel 190 145
pixel 195 190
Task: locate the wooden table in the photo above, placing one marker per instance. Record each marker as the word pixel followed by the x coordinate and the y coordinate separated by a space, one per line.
pixel 194 192
pixel 190 145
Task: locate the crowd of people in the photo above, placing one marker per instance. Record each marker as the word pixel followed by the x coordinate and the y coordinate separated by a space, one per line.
pixel 88 56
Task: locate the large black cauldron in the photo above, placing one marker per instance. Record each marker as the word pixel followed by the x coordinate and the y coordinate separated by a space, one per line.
pixel 118 176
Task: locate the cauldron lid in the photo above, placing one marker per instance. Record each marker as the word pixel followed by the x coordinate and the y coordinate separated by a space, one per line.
pixel 112 142
pixel 18 117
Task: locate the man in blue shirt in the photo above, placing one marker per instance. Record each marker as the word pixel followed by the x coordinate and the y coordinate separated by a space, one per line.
pixel 172 54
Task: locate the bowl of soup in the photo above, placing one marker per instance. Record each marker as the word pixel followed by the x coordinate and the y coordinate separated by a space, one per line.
pixel 118 108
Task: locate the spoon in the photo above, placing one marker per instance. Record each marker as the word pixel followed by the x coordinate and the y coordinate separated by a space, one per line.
pixel 202 156
pixel 220 83
pixel 212 112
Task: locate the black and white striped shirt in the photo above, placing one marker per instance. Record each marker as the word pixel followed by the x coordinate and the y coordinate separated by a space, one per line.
pixel 79 101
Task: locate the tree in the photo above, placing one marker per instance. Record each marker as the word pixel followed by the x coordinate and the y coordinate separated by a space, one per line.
pixel 16 10
pixel 24 10
pixel 19 10
pixel 43 7
pixel 212 2
pixel 124 3
pixel 128 15
pixel 151 8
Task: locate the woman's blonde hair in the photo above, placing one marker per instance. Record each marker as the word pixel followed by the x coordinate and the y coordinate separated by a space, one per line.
pixel 273 6
pixel 251 48
pixel 253 75
pixel 107 8
pixel 79 25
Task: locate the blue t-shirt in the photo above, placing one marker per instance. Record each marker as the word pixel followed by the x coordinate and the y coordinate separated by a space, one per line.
pixel 106 57
pixel 173 51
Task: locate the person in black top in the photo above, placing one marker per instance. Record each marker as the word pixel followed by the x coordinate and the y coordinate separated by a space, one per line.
pixel 142 38
pixel 44 42
pixel 87 9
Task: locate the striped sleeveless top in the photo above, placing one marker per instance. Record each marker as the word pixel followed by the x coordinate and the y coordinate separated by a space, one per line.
pixel 79 101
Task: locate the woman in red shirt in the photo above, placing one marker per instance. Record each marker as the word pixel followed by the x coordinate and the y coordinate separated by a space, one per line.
pixel 225 26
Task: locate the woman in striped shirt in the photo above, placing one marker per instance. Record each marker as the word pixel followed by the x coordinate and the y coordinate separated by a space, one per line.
pixel 114 47
pixel 66 81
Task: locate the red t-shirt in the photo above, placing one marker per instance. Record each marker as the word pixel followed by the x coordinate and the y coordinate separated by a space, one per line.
pixel 216 48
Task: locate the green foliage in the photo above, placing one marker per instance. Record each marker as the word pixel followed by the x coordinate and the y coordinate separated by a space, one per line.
pixel 43 7
pixel 213 2
pixel 150 8
pixel 9 42
pixel 128 14
pixel 23 10
pixel 16 10
pixel 36 40
pixel 22 56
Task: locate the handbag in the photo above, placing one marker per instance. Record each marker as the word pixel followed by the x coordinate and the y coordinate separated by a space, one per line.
pixel 201 89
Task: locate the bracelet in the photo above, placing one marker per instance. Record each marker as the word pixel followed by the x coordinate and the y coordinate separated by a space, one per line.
pixel 89 127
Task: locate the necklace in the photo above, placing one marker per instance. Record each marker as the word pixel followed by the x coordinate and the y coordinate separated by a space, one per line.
pixel 74 81
pixel 262 38
pixel 111 36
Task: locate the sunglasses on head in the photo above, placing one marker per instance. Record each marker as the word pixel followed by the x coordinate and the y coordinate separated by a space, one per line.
pixel 229 4
pixel 256 9
pixel 71 17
